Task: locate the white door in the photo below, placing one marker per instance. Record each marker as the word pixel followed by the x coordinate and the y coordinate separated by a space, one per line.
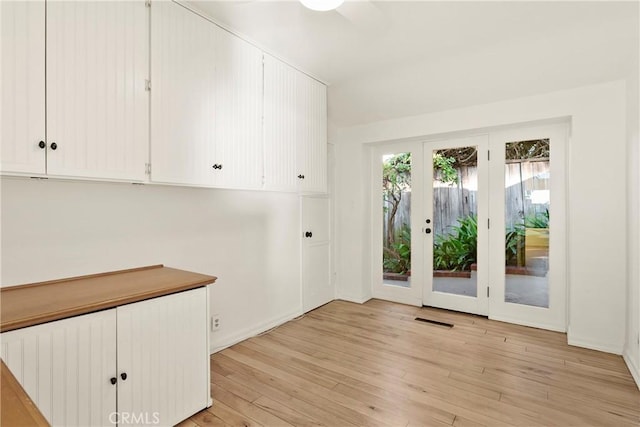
pixel 317 286
pixel 280 157
pixel 311 130
pixel 97 106
pixel 67 367
pixel 163 359
pixel 455 224
pixel 183 100
pixel 22 122
pixel 528 226
pixel 238 95
pixel 397 239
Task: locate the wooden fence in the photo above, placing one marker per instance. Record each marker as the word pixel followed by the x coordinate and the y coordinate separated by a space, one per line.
pixel 451 202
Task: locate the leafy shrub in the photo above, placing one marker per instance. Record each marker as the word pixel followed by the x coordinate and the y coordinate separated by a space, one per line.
pixel 539 220
pixel 456 251
pixel 397 257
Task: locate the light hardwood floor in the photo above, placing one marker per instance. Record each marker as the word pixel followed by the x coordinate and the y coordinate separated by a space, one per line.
pixel 346 364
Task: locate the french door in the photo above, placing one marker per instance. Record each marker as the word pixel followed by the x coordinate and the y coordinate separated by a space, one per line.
pixel 455 230
pixel 493 231
pixel 527 238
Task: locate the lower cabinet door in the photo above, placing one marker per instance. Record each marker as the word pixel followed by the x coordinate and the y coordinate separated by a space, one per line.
pixel 66 367
pixel 163 359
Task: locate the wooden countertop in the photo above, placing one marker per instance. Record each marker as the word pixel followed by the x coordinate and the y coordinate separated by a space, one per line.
pixel 16 408
pixel 35 303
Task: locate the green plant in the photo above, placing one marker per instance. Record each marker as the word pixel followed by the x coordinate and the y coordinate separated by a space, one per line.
pixel 457 250
pixel 514 246
pixel 397 256
pixel 396 179
pixel 448 174
pixel 538 220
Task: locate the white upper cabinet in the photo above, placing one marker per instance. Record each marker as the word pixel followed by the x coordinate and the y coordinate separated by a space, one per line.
pixel 280 117
pixel 22 90
pixel 97 106
pixel 238 94
pixel 295 129
pixel 183 102
pixel 311 134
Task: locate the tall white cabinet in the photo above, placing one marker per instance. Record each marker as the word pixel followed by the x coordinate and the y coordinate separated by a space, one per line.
pixel 22 90
pixel 96 106
pixel 239 110
pixel 295 129
pixel 147 359
pixel 183 85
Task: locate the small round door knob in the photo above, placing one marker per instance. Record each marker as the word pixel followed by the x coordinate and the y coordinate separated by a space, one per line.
pixel 123 376
pixel 41 144
pixel 308 234
pixel 54 145
pixel 428 231
pixel 113 380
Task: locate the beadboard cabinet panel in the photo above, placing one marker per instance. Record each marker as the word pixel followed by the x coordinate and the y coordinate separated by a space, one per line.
pixel 280 117
pixel 238 94
pixel 65 367
pixel 97 106
pixel 162 348
pixel 22 122
pixel 182 96
pixel 311 131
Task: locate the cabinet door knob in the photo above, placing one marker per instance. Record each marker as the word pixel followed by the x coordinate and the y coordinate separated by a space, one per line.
pixel 308 234
pixel 123 376
pixel 113 380
pixel 301 176
pixel 54 145
pixel 41 144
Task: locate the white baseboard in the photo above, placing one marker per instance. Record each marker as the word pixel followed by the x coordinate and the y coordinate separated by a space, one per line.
pixel 633 368
pixel 253 331
pixel 357 300
pixel 586 343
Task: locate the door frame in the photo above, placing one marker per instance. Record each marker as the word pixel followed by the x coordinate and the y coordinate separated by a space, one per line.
pixel 411 295
pixel 480 303
pixel 556 316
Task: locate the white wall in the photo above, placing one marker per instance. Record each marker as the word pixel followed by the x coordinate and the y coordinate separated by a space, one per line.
pixel 632 347
pixel 597 222
pixel 249 240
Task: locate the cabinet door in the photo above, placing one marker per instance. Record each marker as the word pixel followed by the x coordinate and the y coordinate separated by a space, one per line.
pixel 280 168
pixel 66 366
pixel 311 133
pixel 162 349
pixel 239 113
pixel 317 286
pixel 97 106
pixel 22 90
pixel 182 98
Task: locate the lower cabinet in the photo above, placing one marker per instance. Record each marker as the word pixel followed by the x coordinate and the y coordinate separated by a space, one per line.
pixel 141 363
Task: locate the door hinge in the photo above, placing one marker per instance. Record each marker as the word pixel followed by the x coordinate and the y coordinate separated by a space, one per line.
pixel 487 292
pixel 147 85
pixel 489 155
pixel 147 3
pixel 147 169
pixel 488 223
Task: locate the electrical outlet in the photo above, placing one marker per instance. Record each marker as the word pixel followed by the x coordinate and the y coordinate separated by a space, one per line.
pixel 215 323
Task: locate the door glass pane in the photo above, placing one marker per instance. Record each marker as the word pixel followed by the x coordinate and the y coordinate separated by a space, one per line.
pixel 455 220
pixel 527 196
pixel 396 209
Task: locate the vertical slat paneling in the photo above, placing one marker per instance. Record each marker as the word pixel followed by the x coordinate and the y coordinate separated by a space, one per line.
pixel 162 348
pixel 65 366
pixel 279 125
pixel 239 113
pixel 22 122
pixel 312 133
pixel 97 107
pixel 182 98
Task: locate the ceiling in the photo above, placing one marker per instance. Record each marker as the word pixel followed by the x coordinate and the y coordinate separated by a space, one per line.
pixel 387 59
